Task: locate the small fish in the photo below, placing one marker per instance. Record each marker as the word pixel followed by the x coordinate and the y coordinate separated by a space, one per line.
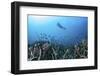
pixel 60 26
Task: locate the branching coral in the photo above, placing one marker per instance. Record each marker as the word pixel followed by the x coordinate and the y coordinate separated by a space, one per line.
pixel 52 50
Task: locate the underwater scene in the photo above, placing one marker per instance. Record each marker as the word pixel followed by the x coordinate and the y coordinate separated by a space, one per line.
pixel 57 37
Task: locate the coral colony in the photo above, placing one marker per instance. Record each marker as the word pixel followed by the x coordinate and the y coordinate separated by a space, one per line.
pixel 51 50
pixel 57 38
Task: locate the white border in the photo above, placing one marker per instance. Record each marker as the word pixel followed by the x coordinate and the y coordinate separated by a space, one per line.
pixel 26 65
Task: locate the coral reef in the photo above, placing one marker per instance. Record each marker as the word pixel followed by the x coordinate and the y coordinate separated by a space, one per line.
pixel 50 49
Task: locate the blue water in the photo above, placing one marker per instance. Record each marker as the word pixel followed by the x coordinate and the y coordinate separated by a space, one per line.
pixel 67 30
